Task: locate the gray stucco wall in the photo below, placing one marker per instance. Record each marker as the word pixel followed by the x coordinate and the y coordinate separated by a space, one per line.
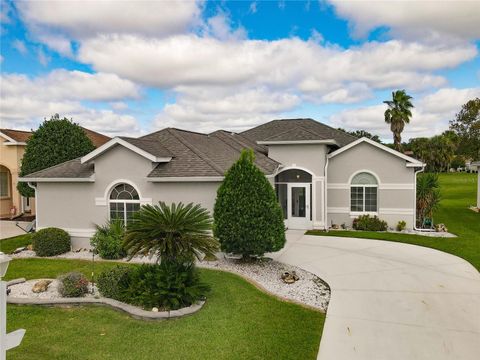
pixel 77 207
pixel 396 192
pixel 311 157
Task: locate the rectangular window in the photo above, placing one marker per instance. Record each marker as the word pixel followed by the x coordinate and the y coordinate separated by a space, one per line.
pixel 371 199
pixel 4 184
pixel 356 196
pixel 363 199
pixel 281 190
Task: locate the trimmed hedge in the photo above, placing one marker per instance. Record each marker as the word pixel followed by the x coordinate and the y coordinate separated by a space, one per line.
pixel 50 242
pixel 113 283
pixel 369 223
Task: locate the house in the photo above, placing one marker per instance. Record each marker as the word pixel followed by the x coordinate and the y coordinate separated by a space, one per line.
pixel 322 176
pixel 12 148
pixel 477 165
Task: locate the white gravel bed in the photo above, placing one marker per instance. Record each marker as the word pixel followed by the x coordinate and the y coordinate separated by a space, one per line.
pixel 24 290
pixel 309 289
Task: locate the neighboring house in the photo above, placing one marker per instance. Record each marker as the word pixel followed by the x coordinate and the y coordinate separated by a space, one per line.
pixel 477 165
pixel 322 176
pixel 12 148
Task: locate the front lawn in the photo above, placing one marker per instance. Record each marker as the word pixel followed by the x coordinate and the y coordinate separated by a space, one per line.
pixel 458 193
pixel 237 322
pixel 9 245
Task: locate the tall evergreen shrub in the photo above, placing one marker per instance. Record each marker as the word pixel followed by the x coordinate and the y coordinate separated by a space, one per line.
pixel 248 219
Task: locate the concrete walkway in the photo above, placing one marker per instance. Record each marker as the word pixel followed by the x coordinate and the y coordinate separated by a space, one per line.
pixel 390 300
pixel 8 228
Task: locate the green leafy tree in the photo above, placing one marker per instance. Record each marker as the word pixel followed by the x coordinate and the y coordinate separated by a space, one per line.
pixel 248 219
pixel 362 133
pixel 398 114
pixel 55 141
pixel 175 233
pixel 466 126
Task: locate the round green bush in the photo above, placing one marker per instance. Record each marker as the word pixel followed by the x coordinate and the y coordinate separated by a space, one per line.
pixel 51 242
pixel 113 283
pixel 73 284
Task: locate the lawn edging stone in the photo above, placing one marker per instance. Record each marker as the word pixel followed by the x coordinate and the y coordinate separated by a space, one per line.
pixel 130 309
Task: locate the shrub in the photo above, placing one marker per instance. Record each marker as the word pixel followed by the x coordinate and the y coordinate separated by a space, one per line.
pixel 171 232
pixel 369 223
pixel 167 286
pixel 108 240
pixel 73 284
pixel 248 219
pixel 401 225
pixel 114 283
pixel 51 242
pixel 428 198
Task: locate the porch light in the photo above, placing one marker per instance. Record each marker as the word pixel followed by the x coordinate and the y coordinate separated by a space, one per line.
pixel 4 261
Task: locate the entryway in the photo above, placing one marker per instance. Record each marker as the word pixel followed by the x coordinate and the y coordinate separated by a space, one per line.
pixel 294 193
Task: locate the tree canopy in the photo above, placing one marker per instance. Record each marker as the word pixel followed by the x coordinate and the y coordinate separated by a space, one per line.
pixel 466 126
pixel 55 141
pixel 248 219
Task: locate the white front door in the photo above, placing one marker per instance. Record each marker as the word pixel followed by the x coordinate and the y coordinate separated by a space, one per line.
pixel 298 206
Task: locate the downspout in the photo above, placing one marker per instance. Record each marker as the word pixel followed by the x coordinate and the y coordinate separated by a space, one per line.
pixel 415 203
pixel 30 185
pixel 325 216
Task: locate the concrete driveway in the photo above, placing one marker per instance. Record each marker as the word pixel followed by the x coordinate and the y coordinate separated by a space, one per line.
pixel 391 300
pixel 8 228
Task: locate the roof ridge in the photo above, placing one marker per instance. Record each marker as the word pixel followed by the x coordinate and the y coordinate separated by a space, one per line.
pixel 24 131
pixel 200 154
pixel 334 129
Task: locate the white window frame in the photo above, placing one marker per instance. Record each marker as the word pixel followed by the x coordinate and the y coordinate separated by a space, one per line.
pixel 122 201
pixel 363 186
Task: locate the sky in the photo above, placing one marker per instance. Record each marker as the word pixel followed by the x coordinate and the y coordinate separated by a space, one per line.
pixel 133 67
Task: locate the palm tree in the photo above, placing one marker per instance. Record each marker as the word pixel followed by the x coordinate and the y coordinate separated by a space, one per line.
pixel 175 233
pixel 398 114
pixel 428 197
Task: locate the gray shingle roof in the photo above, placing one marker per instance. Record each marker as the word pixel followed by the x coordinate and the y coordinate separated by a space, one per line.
pixel 203 155
pixel 68 170
pixel 297 129
pixel 151 146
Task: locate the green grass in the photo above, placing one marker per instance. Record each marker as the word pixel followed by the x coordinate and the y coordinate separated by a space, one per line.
pixel 458 193
pixel 7 246
pixel 237 322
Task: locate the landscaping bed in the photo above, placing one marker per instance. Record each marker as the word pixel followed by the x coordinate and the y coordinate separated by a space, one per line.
pixel 237 322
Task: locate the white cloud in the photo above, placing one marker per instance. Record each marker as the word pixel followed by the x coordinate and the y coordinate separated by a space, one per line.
pixel 43 58
pixel 211 108
pixel 429 117
pixel 19 45
pixel 25 101
pixel 432 20
pixel 81 19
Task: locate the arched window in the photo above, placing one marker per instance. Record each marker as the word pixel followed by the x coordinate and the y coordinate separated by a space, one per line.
pixel 124 202
pixel 363 193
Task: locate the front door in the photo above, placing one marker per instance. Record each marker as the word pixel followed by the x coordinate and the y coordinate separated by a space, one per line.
pixel 299 206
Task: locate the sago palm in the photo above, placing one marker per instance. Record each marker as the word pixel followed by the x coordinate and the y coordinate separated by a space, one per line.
pixel 398 114
pixel 174 233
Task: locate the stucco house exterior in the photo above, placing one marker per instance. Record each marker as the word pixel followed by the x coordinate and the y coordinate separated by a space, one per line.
pixel 322 176
pixel 12 148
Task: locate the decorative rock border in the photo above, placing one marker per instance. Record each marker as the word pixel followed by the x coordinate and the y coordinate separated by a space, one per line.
pixel 133 311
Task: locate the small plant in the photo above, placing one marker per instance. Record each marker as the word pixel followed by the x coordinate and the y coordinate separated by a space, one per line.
pixel 114 283
pixel 167 286
pixel 108 240
pixel 369 223
pixel 428 198
pixel 401 225
pixel 73 284
pixel 50 242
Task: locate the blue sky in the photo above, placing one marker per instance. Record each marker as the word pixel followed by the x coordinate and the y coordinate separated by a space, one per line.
pixel 131 68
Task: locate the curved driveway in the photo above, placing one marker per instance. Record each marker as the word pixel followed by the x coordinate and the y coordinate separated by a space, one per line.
pixel 391 300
